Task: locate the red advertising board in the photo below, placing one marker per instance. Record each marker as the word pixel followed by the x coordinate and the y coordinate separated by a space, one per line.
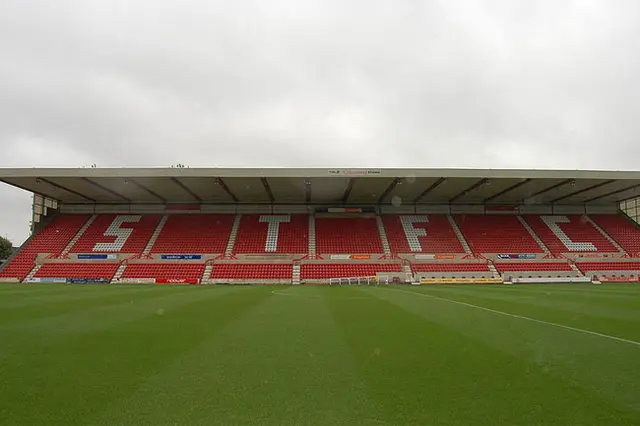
pixel 175 281
pixel 360 256
pixel 445 256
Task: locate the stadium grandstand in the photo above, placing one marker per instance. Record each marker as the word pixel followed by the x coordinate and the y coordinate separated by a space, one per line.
pixel 296 226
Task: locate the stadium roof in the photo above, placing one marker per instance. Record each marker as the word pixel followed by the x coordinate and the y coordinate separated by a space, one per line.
pixel 344 186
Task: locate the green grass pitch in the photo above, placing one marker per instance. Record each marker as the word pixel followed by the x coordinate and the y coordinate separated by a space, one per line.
pixel 263 355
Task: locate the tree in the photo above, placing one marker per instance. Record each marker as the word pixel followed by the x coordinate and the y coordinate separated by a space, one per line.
pixel 6 248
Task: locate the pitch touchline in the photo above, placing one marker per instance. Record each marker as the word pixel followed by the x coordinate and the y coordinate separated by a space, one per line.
pixel 594 333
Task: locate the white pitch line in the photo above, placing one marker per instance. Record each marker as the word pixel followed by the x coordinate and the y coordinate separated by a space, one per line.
pixel 566 327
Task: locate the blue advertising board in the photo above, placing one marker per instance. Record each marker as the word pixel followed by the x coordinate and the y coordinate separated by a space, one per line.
pixel 92 256
pixel 181 256
pixel 45 280
pixel 97 256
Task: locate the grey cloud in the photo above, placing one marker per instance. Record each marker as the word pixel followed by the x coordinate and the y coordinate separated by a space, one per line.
pixel 545 84
pixel 16 214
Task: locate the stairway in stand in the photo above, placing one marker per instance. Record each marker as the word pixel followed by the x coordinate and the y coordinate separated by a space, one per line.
pixel 537 239
pixel 78 235
pixel 295 277
pixel 461 238
pixel 493 269
pixel 119 272
pixel 383 236
pixel 312 236
pixel 154 236
pixel 606 235
pixel 234 234
pixel 206 275
pixel 33 272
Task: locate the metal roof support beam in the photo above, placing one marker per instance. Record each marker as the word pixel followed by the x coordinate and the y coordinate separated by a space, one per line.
pixel 267 189
pixel 147 190
pixel 551 188
pixel 186 189
pixel 469 189
pixel 226 189
pixel 307 191
pixel 390 188
pixel 64 188
pixel 347 190
pixel 105 189
pixel 614 193
pixel 626 199
pixel 598 185
pixel 507 190
pixel 429 189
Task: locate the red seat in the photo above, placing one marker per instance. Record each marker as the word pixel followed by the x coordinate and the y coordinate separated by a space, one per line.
pixel 345 270
pixel 450 267
pixel 188 271
pixel 110 233
pixel 262 271
pixel 77 270
pixel 532 266
pixel 272 234
pixel 194 233
pixel 569 233
pixel 421 234
pixel 608 266
pixel 502 233
pixel 622 230
pixel 52 239
pixel 347 235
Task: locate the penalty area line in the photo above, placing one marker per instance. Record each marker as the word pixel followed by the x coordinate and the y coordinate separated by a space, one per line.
pixel 553 324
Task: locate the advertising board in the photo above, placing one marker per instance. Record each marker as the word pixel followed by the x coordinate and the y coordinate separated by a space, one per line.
pixel 516 256
pixel 461 281
pixel 425 256
pixel 175 281
pixel 181 256
pixel 46 280
pixel 87 281
pixel 550 280
pixel 445 256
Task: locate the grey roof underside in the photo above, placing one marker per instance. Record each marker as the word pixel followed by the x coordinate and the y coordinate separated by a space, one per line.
pixel 346 186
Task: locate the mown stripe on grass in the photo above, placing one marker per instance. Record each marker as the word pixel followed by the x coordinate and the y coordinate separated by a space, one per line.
pixel 14 291
pixel 445 377
pixel 73 379
pixel 136 305
pixel 600 318
pixel 578 293
pixel 282 363
pixel 553 324
pixel 99 298
pixel 603 367
pixel 576 304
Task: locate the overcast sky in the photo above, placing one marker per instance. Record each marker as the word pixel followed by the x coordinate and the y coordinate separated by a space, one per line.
pixel 544 84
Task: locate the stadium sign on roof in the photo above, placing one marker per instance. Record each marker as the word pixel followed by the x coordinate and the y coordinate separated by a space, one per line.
pixel 322 186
